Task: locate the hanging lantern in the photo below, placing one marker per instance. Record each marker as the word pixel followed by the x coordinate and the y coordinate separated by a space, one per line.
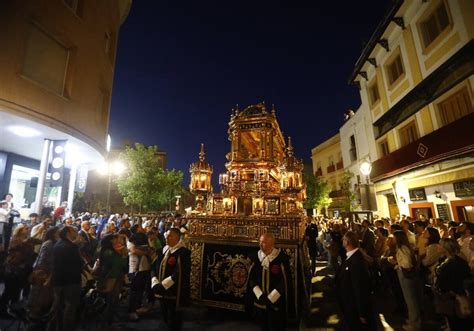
pixel 201 173
pixel 291 171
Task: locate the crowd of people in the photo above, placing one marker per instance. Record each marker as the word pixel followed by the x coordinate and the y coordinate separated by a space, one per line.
pixel 64 265
pixel 414 262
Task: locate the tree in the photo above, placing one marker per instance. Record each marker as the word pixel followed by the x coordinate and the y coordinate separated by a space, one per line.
pixel 145 183
pixel 170 182
pixel 317 191
pixel 350 197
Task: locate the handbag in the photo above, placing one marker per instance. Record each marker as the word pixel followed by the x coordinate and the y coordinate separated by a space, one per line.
pixel 39 277
pixel 462 306
pixel 444 303
pixel 106 285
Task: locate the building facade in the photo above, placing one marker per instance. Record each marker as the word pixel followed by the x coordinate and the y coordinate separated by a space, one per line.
pixel 416 79
pixel 328 164
pixel 56 73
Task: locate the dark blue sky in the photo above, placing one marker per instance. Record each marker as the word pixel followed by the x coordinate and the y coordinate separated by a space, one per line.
pixel 182 65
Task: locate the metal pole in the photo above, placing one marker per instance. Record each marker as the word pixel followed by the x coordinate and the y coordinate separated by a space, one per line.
pixel 72 186
pixel 42 176
pixel 367 189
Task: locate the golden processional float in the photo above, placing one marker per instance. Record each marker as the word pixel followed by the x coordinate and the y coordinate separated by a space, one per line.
pixel 262 191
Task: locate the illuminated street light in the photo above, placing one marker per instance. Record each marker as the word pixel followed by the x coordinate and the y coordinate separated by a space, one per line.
pixel 366 168
pixel 116 168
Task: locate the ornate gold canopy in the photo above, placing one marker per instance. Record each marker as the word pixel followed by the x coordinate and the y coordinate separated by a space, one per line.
pixel 263 176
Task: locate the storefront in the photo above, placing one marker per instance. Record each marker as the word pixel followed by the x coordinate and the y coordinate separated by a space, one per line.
pixel 448 195
pixel 22 147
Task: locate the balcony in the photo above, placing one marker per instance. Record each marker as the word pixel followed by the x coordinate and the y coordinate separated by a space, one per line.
pixel 331 168
pixel 339 165
pixel 449 141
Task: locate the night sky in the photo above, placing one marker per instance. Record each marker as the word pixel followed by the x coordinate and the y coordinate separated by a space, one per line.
pixel 183 65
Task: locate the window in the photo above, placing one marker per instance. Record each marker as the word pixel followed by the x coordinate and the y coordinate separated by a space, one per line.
pixel 353 149
pixel 395 69
pixel 408 134
pixel 319 170
pixel 383 146
pixel 374 95
pixel 436 23
pixel 45 61
pixel 456 106
pixel 75 6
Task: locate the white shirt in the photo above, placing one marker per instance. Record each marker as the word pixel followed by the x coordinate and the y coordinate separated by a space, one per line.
pixel 265 260
pixel 350 253
pixel 404 258
pixel 4 214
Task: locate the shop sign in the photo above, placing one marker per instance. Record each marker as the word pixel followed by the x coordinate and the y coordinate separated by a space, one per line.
pixel 443 211
pixel 464 188
pixel 81 179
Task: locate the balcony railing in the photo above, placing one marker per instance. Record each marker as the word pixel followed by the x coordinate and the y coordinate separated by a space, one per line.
pixel 339 165
pixel 449 141
pixel 318 172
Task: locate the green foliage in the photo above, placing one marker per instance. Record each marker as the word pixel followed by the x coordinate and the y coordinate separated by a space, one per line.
pixel 317 191
pixel 350 197
pixel 146 184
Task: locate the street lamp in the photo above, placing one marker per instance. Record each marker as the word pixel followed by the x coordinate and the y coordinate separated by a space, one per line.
pixel 116 168
pixel 366 168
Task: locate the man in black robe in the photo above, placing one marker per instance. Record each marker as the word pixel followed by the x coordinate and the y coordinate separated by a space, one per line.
pixel 311 234
pixel 270 285
pixel 170 279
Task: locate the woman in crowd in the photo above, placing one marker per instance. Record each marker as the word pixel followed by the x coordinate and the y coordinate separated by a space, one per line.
pixel 433 253
pixel 41 297
pixel 109 228
pixel 381 245
pixel 112 270
pixel 449 282
pixel 405 262
pixel 18 265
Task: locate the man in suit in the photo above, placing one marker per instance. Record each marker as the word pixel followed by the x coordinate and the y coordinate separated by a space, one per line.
pixel 66 281
pixel 85 246
pixel 170 279
pixel 270 285
pixel 367 239
pixel 311 234
pixel 354 289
